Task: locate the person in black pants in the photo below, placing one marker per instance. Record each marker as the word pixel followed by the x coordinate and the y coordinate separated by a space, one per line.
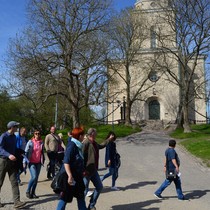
pixel 51 146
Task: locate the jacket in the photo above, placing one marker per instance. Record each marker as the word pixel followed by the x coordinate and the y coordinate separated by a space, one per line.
pixel 89 155
pixel 19 142
pixel 110 154
pixel 29 150
pixel 51 143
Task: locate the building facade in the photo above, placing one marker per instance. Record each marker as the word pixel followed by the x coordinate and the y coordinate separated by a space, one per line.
pixel 159 95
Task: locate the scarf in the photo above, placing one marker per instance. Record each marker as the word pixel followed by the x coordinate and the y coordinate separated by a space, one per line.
pixel 79 145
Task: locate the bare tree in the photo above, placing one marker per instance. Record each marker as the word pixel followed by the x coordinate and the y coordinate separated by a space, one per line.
pixel 189 20
pixel 62 52
pixel 127 34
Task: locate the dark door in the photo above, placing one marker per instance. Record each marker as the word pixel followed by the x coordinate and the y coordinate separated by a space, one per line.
pixel 154 110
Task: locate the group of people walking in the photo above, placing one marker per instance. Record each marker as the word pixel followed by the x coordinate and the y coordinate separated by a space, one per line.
pixel 79 164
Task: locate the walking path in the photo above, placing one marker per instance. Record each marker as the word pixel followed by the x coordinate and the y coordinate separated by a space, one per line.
pixel 141 173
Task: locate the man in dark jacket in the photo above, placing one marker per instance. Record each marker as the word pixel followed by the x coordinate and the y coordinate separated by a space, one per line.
pixel 8 161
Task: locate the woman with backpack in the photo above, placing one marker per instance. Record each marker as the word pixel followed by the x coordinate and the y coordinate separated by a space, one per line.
pixel 112 160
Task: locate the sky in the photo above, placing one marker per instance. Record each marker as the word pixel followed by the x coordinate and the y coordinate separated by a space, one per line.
pixel 13 18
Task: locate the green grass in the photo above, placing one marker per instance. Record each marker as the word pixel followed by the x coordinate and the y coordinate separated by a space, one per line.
pixel 197 142
pixel 120 131
pixel 103 130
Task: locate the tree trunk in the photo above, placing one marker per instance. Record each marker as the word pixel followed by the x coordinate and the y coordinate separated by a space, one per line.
pixel 128 113
pixel 179 119
pixel 186 124
pixel 75 117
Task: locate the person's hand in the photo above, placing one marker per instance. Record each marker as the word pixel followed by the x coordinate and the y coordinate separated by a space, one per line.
pixel 109 163
pixel 70 180
pixel 12 158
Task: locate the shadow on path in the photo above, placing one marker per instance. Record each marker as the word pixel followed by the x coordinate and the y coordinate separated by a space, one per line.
pixel 195 194
pixel 32 202
pixel 136 206
pixel 137 185
pixel 131 186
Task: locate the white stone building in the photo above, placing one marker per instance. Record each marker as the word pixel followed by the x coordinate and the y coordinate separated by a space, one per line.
pixel 161 95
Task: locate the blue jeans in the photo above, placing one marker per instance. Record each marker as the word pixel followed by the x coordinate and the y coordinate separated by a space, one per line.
pixel 167 182
pixel 95 179
pixel 80 203
pixel 113 171
pixel 34 169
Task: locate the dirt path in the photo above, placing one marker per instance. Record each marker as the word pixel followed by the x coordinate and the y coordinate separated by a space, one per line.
pixel 140 174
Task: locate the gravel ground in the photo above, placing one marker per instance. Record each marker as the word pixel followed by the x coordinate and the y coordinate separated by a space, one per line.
pixel 140 174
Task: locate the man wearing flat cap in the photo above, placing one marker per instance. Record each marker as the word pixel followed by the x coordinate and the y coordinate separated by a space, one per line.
pixel 8 161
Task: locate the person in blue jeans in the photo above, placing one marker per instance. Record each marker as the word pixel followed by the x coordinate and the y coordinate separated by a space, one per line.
pixel 21 141
pixel 111 161
pixel 91 158
pixel 74 169
pixel 172 163
pixel 35 154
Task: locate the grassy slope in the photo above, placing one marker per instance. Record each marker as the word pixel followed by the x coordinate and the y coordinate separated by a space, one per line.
pixel 103 130
pixel 197 142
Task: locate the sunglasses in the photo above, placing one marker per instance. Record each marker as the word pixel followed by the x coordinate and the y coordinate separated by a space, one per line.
pixel 37 133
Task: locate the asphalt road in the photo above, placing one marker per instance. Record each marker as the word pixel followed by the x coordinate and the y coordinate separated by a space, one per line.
pixel 140 174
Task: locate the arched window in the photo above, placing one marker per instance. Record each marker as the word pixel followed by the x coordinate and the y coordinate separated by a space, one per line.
pixel 153 37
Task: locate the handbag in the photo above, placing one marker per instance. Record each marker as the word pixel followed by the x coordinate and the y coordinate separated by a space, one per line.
pixel 118 161
pixel 170 174
pixel 60 182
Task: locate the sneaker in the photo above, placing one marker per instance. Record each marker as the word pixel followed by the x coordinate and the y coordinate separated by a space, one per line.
pixel 34 196
pixel 19 204
pixel 158 196
pixel 115 188
pixel 93 208
pixel 89 193
pixel 28 195
pixel 182 199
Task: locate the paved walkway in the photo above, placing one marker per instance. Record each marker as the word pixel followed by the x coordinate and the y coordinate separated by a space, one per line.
pixel 140 174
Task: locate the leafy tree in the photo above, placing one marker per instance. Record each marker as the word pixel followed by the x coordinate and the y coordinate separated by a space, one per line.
pixel 62 52
pixel 10 110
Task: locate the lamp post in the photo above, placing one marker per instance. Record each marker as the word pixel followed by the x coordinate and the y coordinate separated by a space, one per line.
pixel 123 107
pixel 56 110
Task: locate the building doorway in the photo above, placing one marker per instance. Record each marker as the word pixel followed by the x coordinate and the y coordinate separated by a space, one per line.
pixel 154 110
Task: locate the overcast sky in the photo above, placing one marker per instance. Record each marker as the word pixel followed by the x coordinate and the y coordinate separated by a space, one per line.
pixel 13 19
